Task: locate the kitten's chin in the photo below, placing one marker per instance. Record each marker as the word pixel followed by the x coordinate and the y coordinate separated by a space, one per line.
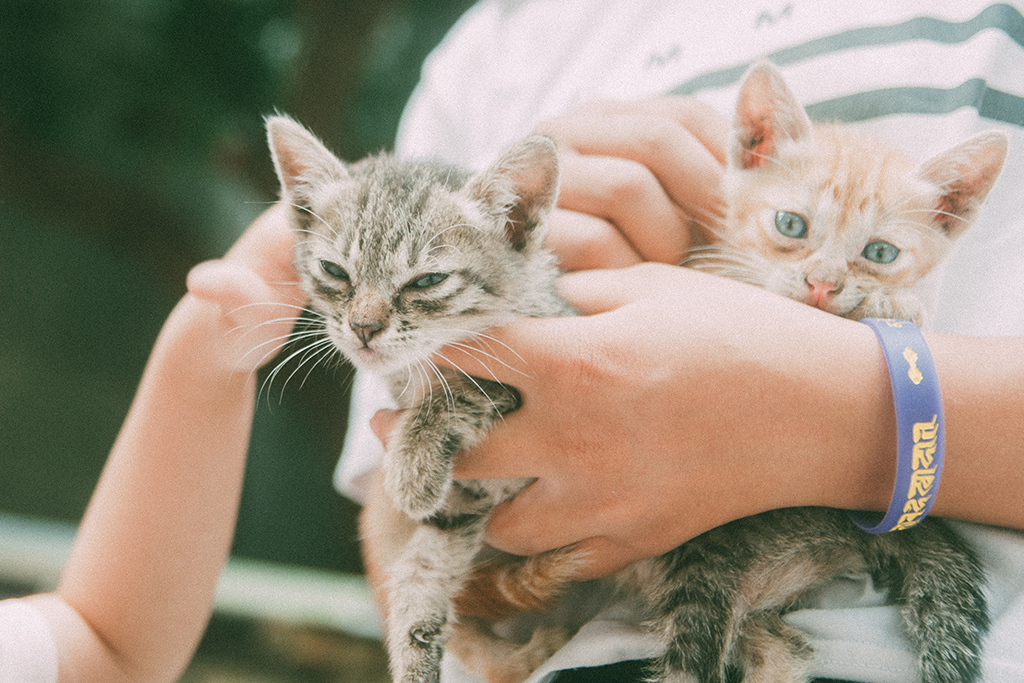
pixel 372 360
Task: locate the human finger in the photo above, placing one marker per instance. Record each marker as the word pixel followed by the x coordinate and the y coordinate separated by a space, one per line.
pixel 626 193
pixel 521 527
pixel 593 292
pixel 259 319
pixel 698 117
pixel 267 245
pixel 383 422
pixel 585 242
pixel 689 166
pixel 229 285
pixel 516 354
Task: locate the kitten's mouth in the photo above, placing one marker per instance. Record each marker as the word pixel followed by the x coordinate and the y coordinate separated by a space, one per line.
pixel 368 356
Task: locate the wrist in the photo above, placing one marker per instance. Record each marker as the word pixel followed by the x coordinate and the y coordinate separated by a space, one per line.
pixel 920 425
pixel 846 456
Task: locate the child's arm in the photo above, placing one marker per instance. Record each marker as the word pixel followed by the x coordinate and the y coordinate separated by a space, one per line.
pixel 138 588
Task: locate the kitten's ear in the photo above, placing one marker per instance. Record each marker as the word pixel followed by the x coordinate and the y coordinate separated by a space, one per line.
pixel 521 188
pixel 300 159
pixel 965 174
pixel 766 112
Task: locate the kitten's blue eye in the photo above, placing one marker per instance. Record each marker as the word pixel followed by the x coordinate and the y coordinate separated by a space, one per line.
pixel 880 251
pixel 333 269
pixel 428 280
pixel 790 224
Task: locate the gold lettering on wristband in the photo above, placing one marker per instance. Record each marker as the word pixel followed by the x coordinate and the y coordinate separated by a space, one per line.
pixel 921 483
pixel 908 520
pixel 922 480
pixel 913 373
pixel 926 431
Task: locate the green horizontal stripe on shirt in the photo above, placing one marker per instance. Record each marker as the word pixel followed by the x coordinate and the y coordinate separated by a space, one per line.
pixel 990 103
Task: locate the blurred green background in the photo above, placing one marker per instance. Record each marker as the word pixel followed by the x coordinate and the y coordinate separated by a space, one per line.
pixel 131 148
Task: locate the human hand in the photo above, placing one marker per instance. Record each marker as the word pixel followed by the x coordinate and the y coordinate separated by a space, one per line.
pixel 634 177
pixel 678 402
pixel 256 288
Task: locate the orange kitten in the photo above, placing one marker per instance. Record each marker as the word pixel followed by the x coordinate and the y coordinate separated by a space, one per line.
pixel 824 216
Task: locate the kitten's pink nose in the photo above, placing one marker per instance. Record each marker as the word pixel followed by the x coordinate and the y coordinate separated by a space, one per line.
pixel 366 330
pixel 820 292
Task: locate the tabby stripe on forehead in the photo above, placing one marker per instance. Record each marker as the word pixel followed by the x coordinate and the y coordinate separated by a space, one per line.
pixel 990 103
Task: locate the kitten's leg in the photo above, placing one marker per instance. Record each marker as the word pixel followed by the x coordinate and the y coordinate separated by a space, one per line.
pixel 942 602
pixel 422 582
pixel 691 595
pixel 773 652
pixel 417 474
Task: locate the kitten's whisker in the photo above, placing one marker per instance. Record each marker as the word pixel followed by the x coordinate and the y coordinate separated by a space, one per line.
pixel 468 349
pixel 326 354
pixel 311 352
pixel 254 304
pixel 937 212
pixel 474 383
pixel 279 366
pixel 276 344
pixel 426 386
pixel 709 224
pixel 449 394
pixel 728 262
pixel 294 307
pixel 408 382
pixel 284 338
pixel 252 328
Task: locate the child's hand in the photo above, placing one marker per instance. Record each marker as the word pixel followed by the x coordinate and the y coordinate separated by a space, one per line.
pixel 256 288
pixel 635 177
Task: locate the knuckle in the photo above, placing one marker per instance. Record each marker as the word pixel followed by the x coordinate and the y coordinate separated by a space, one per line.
pixel 633 184
pixel 601 247
pixel 656 138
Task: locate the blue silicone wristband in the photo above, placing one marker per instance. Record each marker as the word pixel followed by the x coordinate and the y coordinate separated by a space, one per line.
pixel 919 423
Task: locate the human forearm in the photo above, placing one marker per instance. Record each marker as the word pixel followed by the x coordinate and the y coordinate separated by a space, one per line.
pixel 136 593
pixel 159 527
pixel 982 381
pixel 685 401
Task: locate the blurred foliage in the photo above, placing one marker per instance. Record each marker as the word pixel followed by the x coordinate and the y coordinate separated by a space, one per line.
pixel 132 147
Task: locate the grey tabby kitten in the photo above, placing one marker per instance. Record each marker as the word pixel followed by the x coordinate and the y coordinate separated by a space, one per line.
pixel 402 258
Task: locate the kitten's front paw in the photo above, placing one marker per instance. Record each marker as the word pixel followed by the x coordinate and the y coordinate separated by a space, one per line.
pixel 901 305
pixel 417 498
pixel 418 475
